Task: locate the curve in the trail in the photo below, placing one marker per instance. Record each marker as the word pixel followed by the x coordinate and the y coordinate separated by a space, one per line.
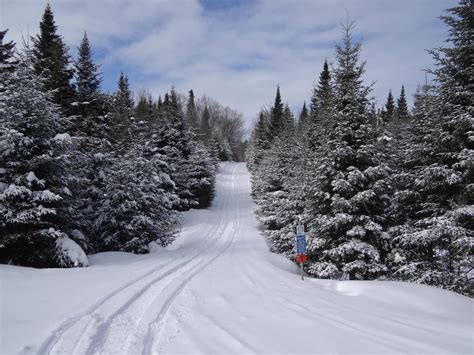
pixel 111 325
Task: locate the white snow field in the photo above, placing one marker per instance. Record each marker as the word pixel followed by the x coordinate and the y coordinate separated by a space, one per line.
pixel 219 290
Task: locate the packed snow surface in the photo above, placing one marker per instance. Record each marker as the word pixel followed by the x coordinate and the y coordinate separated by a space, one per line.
pixel 218 289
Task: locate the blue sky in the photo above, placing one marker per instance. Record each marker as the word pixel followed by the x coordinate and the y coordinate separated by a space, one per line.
pixel 238 51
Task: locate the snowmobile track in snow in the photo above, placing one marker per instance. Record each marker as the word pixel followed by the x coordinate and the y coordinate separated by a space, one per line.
pixel 118 331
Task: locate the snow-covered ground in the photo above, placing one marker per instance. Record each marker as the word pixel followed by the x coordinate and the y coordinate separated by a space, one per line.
pixel 217 289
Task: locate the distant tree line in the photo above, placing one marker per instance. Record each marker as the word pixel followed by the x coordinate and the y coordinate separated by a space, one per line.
pixel 384 194
pixel 83 171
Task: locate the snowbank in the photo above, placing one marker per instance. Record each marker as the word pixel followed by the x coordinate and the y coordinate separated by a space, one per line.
pixel 70 253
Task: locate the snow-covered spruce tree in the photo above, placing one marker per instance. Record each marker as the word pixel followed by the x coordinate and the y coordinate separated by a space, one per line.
pixel 89 134
pixel 173 144
pixel 401 112
pixel 389 112
pixel 188 158
pixel 207 137
pixel 145 120
pixel 146 109
pixel 277 118
pixel 277 127
pixel 313 138
pixel 138 205
pixel 7 58
pixel 137 196
pixel 322 93
pixel 279 176
pixel 120 117
pixel 321 110
pixel 205 127
pixel 276 175
pixel 408 149
pixel 277 184
pixel 200 163
pixel 348 194
pixel 89 99
pixel 259 141
pixel 189 162
pixel 272 126
pixel 272 182
pixel 436 244
pixel 33 220
pixel 191 112
pixel 52 61
pixel 288 120
pixel 201 169
pixel 303 119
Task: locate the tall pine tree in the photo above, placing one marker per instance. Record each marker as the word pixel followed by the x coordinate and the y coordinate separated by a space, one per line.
pixel 52 61
pixel 303 119
pixel 321 109
pixel 7 59
pixel 277 121
pixel 321 96
pixel 402 106
pixel 191 112
pixel 348 192
pixel 121 116
pixel 389 112
pixel 87 81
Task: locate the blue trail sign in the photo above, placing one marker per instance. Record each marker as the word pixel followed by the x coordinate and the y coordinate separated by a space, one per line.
pixel 301 248
pixel 300 244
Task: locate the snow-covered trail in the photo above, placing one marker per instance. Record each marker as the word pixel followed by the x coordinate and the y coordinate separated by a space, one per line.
pixel 249 300
pixel 218 289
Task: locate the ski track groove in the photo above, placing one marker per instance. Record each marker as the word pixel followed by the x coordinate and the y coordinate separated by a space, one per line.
pixel 200 264
pixel 53 339
pixel 62 330
pixel 154 341
pixel 99 324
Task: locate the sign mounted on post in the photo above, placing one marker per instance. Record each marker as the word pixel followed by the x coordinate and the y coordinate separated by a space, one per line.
pixel 301 248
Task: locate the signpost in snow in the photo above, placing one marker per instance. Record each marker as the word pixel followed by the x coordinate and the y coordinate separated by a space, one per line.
pixel 300 248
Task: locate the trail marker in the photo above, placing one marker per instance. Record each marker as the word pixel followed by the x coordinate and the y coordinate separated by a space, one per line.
pixel 300 244
pixel 301 247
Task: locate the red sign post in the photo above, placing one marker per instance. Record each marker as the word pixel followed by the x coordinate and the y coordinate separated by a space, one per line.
pixel 301 258
pixel 301 248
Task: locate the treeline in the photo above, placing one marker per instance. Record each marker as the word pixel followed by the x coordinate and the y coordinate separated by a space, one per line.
pixel 383 194
pixel 83 171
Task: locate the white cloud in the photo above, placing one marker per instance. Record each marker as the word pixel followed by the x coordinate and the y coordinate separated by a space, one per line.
pixel 239 55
